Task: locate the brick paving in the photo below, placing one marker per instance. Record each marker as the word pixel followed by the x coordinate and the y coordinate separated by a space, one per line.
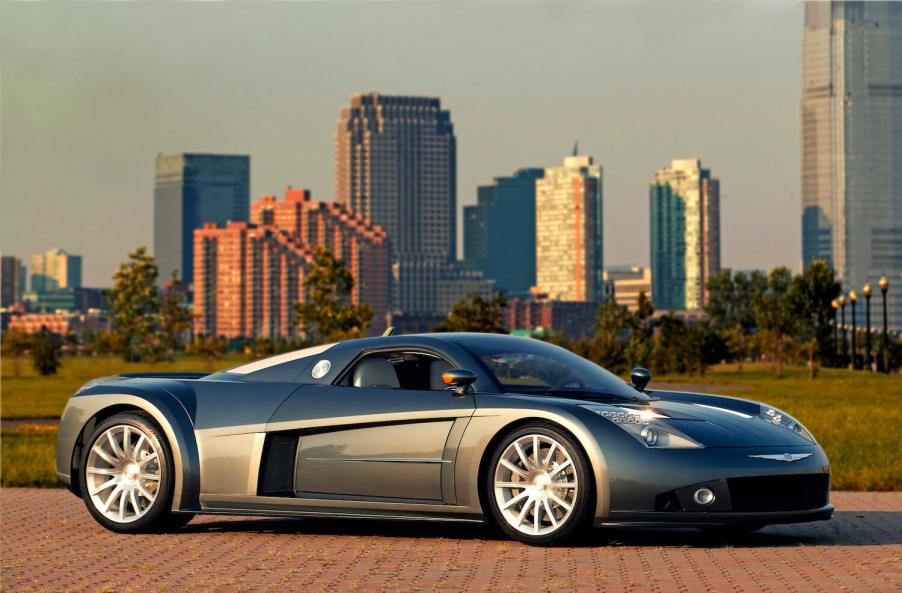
pixel 50 543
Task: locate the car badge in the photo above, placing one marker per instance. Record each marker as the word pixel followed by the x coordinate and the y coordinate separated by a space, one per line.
pixel 783 456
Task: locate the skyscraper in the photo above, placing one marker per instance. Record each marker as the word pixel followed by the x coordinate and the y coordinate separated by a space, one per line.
pixel 685 234
pixel 569 258
pixel 192 190
pixel 500 231
pixel 396 165
pixel 12 278
pixel 55 270
pixel 852 141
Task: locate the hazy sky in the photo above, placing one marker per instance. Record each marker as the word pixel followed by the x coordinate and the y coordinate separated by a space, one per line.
pixel 90 93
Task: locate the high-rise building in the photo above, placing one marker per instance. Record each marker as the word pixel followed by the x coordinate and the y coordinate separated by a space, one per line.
pixel 55 270
pixel 192 190
pixel 500 231
pixel 396 165
pixel 569 258
pixel 685 234
pixel 852 142
pixel 12 279
pixel 248 276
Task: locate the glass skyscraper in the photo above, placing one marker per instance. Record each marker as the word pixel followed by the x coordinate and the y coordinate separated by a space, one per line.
pixel 191 190
pixel 684 203
pixel 852 142
pixel 500 231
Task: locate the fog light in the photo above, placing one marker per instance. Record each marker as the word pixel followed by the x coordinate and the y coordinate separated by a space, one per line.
pixel 650 435
pixel 703 496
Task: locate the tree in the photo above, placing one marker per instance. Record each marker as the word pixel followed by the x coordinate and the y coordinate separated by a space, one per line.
pixel 731 297
pixel 327 314
pixel 134 305
pixel 175 316
pixel 209 348
pixel 738 344
pixel 639 347
pixel 776 318
pixel 476 314
pixel 16 344
pixel 45 352
pixel 607 347
pixel 810 296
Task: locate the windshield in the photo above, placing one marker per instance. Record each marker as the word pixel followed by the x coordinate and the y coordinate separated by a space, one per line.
pixel 529 366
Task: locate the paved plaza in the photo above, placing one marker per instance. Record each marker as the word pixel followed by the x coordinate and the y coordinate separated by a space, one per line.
pixel 50 543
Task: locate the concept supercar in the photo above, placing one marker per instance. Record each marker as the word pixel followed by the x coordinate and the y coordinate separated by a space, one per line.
pixel 444 427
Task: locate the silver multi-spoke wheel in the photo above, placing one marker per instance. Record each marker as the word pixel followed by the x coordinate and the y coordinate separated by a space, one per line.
pixel 536 484
pixel 123 473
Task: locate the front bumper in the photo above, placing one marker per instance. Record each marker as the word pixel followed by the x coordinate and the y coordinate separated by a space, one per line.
pixel 708 519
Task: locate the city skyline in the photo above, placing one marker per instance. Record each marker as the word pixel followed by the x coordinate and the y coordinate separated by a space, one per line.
pixel 93 158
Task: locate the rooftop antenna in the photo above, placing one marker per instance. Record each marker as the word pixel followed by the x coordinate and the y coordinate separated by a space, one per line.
pixel 575 147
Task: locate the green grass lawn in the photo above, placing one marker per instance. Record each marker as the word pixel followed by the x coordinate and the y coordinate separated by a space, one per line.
pixel 856 416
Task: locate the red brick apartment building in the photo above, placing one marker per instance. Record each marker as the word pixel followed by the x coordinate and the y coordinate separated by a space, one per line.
pixel 247 276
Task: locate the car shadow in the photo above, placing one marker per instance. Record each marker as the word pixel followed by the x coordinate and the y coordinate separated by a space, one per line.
pixel 847 528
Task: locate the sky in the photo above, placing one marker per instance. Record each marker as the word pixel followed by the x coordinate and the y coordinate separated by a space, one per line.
pixel 91 93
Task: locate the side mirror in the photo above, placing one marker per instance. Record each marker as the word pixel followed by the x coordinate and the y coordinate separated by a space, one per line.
pixel 458 380
pixel 640 378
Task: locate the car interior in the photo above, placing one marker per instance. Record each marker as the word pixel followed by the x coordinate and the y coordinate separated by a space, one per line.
pixel 398 370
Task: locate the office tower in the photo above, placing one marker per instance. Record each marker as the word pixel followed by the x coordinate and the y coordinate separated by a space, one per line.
pixel 852 142
pixel 569 258
pixel 685 234
pixel 192 190
pixel 626 283
pixel 12 278
pixel 500 231
pixel 395 164
pixel 55 270
pixel 248 276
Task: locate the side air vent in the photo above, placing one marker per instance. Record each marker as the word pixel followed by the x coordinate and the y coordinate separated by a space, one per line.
pixel 277 465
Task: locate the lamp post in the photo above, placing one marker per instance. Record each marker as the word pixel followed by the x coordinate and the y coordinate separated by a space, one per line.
pixel 834 305
pixel 842 317
pixel 853 298
pixel 867 336
pixel 884 287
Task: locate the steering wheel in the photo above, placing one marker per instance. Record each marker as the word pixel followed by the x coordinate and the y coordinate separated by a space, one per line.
pixel 568 382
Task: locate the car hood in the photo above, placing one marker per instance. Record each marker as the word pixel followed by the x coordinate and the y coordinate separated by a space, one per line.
pixel 713 421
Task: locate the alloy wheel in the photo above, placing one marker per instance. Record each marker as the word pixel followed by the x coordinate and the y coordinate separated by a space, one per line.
pixel 123 473
pixel 535 484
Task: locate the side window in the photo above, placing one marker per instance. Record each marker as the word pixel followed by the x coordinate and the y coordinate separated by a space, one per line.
pixel 398 370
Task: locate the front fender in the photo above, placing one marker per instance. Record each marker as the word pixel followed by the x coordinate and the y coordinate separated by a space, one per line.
pixel 168 412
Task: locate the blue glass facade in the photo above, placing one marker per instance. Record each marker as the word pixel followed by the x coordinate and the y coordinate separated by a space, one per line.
pixel 668 247
pixel 191 190
pixel 500 231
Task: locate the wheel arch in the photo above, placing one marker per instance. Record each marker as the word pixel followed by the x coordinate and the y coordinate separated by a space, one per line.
pixel 595 462
pixel 83 413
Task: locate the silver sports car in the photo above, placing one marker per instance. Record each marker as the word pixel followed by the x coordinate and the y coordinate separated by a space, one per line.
pixel 443 427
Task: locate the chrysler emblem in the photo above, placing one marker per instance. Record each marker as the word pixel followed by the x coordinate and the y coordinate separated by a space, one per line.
pixel 783 456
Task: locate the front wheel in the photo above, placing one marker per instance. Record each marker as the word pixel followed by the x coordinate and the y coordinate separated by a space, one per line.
pixel 539 486
pixel 127 475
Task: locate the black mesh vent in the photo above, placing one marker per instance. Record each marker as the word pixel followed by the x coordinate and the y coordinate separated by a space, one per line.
pixel 277 467
pixel 779 493
pixel 667 502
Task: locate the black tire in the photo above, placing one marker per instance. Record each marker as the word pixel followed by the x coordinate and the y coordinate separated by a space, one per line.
pixel 580 517
pixel 157 516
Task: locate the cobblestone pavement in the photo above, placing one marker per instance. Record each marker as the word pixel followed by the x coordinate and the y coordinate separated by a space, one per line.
pixel 50 543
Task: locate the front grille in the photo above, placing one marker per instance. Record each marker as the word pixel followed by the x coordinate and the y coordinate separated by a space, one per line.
pixel 779 493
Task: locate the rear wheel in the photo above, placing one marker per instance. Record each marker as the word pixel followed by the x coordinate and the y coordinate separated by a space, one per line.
pixel 539 487
pixel 127 476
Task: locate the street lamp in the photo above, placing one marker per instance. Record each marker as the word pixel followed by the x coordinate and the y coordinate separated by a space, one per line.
pixel 835 306
pixel 884 287
pixel 853 298
pixel 842 316
pixel 867 309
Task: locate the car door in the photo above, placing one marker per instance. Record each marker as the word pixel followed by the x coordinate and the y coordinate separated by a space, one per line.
pixel 375 441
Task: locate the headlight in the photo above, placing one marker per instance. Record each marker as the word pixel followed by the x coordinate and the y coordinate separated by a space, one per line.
pixel 781 418
pixel 643 425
